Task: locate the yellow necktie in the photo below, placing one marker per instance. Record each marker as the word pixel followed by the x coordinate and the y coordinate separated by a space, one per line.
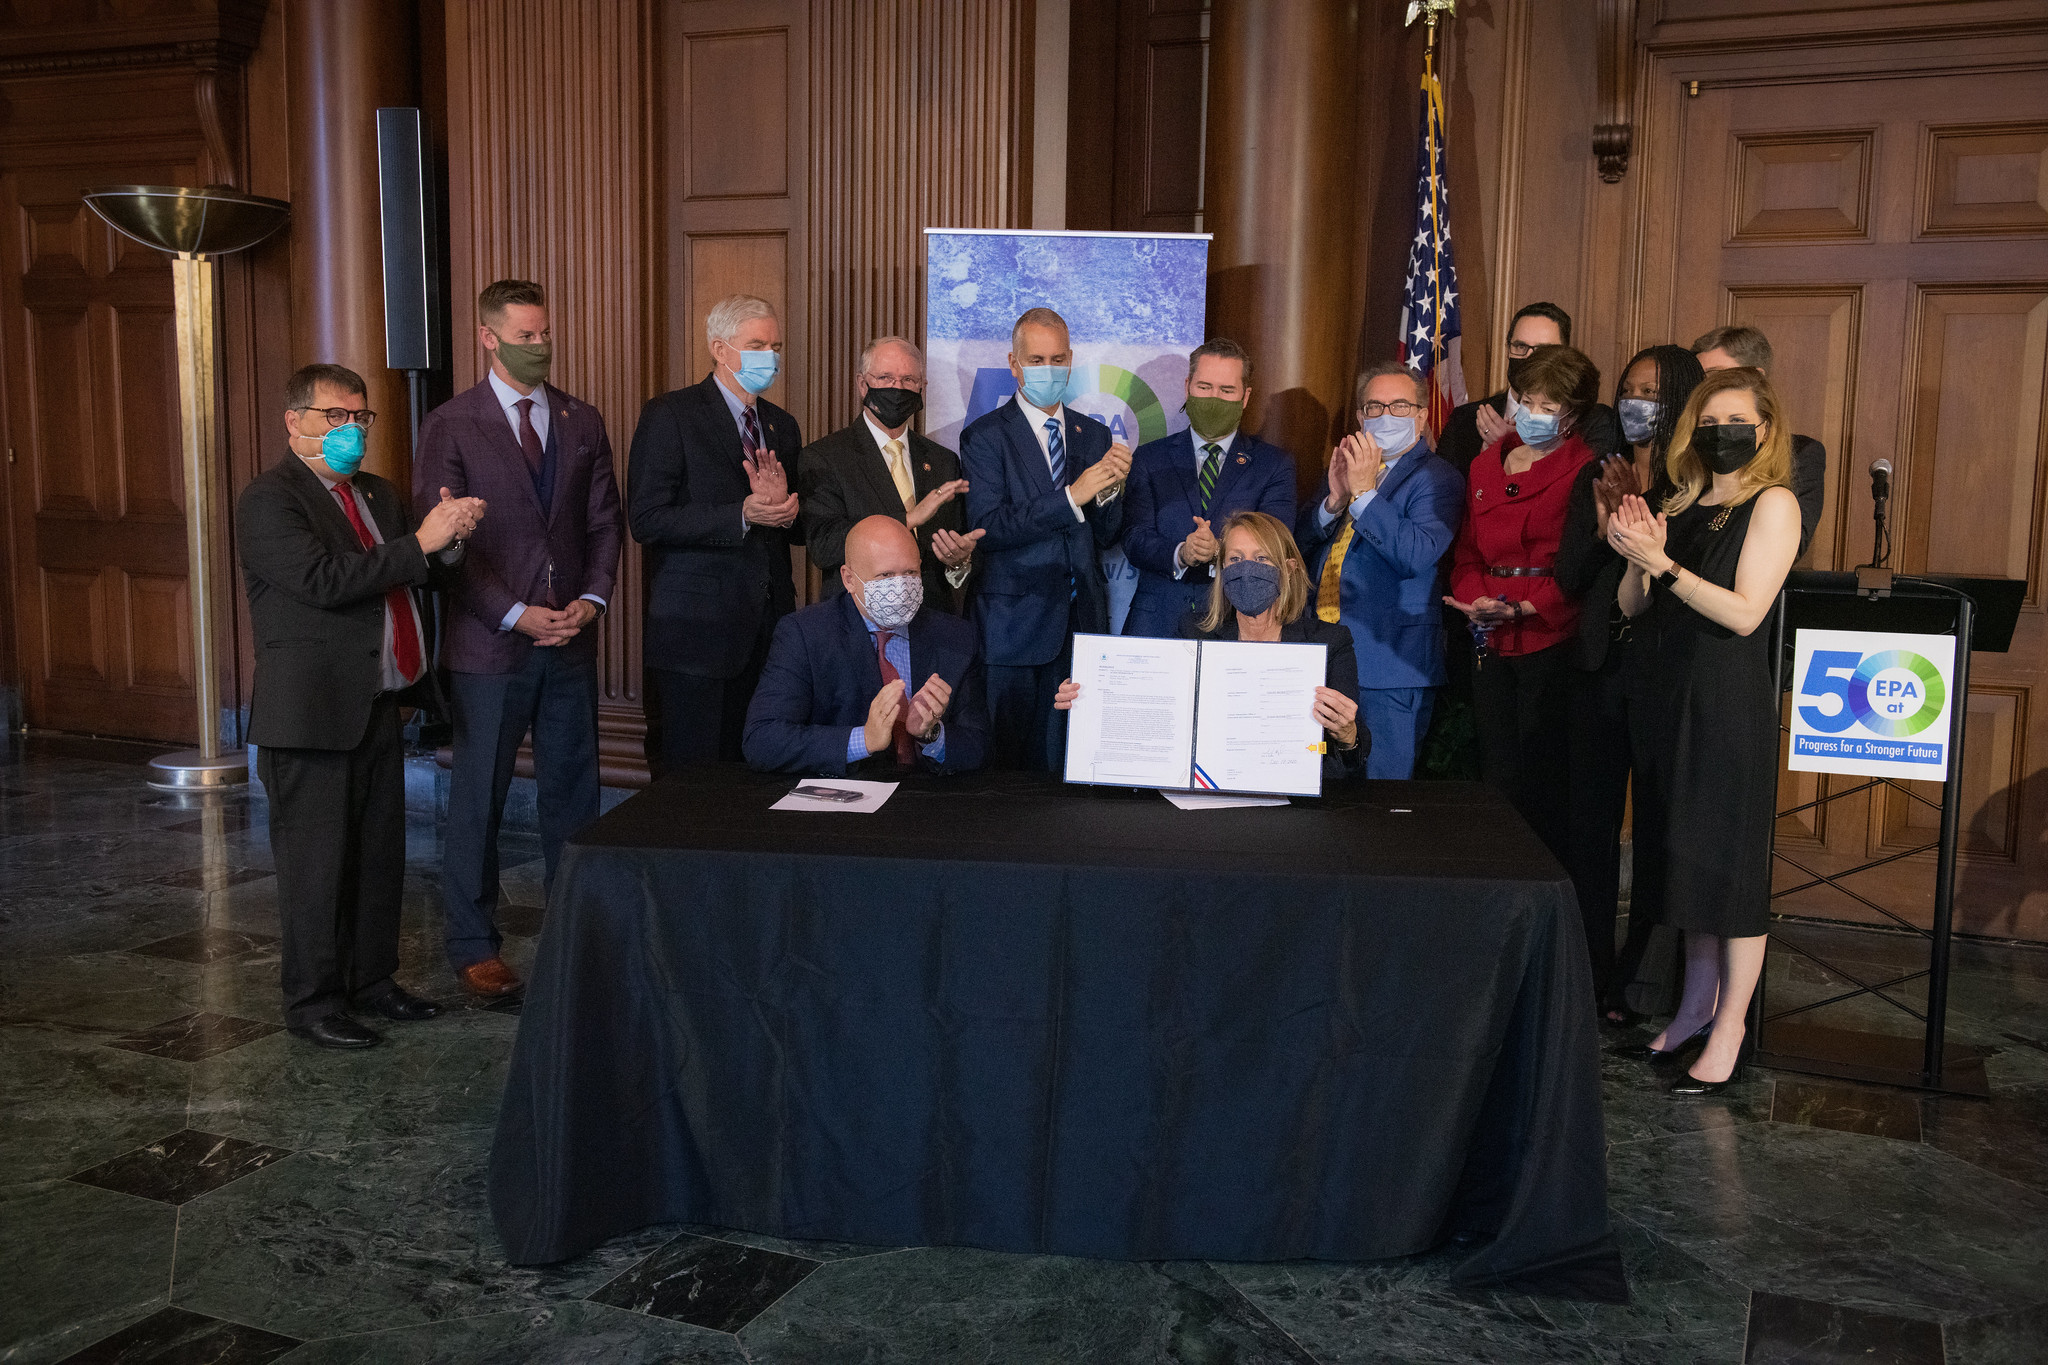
pixel 1329 591
pixel 899 470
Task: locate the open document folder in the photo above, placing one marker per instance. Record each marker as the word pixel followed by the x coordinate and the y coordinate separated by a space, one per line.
pixel 1196 715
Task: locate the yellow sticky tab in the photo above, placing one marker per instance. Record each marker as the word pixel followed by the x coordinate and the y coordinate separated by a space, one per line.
pixel 1319 747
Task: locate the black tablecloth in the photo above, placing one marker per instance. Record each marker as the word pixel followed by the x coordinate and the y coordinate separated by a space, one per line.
pixel 1005 1013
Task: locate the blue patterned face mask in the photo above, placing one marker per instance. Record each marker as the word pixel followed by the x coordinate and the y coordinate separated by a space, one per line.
pixel 1044 385
pixel 342 449
pixel 1638 418
pixel 1251 586
pixel 892 601
pixel 757 370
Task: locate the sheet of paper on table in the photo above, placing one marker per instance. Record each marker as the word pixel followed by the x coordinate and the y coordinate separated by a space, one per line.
pixel 1133 724
pixel 1219 800
pixel 1255 724
pixel 837 794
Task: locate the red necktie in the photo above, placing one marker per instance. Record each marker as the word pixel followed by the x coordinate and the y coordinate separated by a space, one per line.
pixel 405 626
pixel 529 439
pixel 904 754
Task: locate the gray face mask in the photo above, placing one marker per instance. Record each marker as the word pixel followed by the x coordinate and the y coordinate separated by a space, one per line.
pixel 1250 586
pixel 892 601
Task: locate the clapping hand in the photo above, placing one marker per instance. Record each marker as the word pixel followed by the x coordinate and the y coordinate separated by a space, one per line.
pixel 928 505
pixel 1106 476
pixel 1492 426
pixel 953 549
pixel 1364 462
pixel 880 731
pixel 1637 534
pixel 1200 547
pixel 451 520
pixel 1618 479
pixel 1340 478
pixel 771 503
pixel 928 708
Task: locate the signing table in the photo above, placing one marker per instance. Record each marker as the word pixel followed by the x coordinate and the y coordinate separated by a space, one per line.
pixel 1005 1013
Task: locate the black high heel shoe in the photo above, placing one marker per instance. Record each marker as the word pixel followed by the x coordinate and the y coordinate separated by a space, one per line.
pixel 1643 1052
pixel 1689 1084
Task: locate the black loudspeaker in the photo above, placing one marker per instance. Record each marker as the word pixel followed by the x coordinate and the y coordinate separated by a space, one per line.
pixel 414 317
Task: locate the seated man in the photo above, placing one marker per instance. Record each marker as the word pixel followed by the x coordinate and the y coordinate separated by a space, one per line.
pixel 836 695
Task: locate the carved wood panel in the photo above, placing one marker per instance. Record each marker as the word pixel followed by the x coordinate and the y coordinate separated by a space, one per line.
pixel 1792 187
pixel 1986 179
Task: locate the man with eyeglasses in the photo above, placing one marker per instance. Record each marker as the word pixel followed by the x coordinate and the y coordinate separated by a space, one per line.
pixel 1474 426
pixel 1373 547
pixel 521 642
pixel 331 556
pixel 878 465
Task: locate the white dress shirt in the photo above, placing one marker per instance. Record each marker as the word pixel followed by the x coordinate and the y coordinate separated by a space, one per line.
pixel 1038 419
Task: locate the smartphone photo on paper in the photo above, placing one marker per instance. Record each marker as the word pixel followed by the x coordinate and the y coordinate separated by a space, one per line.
pixel 817 793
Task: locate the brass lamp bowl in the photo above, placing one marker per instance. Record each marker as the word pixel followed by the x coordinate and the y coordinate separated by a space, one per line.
pixel 211 221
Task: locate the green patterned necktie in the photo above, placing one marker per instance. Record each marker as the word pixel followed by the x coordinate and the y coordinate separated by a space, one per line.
pixel 1206 481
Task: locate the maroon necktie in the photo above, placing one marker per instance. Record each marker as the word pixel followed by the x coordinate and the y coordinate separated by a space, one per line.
pixel 529 439
pixel 904 754
pixel 750 433
pixel 405 625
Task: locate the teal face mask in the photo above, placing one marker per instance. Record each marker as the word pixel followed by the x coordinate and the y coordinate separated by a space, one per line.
pixel 1044 385
pixel 757 370
pixel 342 449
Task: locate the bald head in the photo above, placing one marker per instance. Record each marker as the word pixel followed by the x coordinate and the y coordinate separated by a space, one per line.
pixel 877 547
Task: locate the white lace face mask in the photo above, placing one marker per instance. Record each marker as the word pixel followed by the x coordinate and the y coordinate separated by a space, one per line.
pixel 892 601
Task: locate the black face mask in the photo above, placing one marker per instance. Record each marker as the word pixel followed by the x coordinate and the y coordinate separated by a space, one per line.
pixel 1727 447
pixel 893 407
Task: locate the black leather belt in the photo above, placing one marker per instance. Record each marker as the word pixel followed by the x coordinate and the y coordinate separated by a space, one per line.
pixel 1502 571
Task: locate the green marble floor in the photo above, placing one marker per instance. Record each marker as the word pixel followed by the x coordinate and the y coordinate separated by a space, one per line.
pixel 180 1180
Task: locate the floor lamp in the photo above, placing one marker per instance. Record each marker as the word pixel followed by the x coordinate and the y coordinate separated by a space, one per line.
pixel 195 226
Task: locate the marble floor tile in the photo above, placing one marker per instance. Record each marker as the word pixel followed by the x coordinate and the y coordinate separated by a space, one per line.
pixel 204 946
pixel 1876 1110
pixel 212 878
pixel 172 1336
pixel 955 1304
pixel 2019 1338
pixel 77 1264
pixel 181 1167
pixel 117 992
pixel 194 1037
pixel 232 820
pixel 809 1251
pixel 73 925
pixel 2006 1134
pixel 1789 1331
pixel 69 1102
pixel 1407 1310
pixel 1867 1223
pixel 586 1333
pixel 1639 1104
pixel 380 1235
pixel 722 1286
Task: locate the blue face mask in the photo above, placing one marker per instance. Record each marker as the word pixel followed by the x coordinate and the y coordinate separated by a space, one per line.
pixel 757 370
pixel 1393 435
pixel 1638 418
pixel 1250 586
pixel 342 449
pixel 1537 429
pixel 1044 385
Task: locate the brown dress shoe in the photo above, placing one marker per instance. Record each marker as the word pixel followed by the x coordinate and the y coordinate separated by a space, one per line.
pixel 489 977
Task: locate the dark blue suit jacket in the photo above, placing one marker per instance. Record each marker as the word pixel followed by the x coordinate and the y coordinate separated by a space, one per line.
pixel 1164 501
pixel 1035 555
pixel 1388 593
pixel 822 675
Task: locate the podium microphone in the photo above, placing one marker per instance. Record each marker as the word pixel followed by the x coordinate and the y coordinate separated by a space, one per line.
pixel 1880 500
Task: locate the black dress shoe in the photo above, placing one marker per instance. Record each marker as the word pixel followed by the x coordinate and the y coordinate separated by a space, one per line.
pixel 1689 1084
pixel 1643 1052
pixel 337 1030
pixel 398 1003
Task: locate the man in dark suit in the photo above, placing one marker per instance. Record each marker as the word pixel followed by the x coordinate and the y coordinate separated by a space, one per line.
pixel 330 556
pixel 711 492
pixel 1726 348
pixel 1474 426
pixel 521 642
pixel 871 679
pixel 879 466
pixel 1045 484
pixel 1185 485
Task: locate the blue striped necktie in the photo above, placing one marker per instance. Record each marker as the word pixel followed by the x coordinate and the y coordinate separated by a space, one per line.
pixel 1056 451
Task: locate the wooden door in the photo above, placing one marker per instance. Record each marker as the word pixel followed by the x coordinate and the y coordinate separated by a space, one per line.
pixel 102 619
pixel 1889 231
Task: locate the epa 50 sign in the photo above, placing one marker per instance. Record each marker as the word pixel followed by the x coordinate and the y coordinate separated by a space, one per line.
pixel 1871 703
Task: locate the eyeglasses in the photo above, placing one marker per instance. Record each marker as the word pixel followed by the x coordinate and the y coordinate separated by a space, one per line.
pixel 895 381
pixel 362 417
pixel 1400 407
pixel 1520 350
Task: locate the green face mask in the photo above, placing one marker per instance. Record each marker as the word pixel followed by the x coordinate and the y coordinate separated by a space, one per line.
pixel 1213 418
pixel 526 364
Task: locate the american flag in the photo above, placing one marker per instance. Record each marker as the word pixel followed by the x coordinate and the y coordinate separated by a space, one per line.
pixel 1429 297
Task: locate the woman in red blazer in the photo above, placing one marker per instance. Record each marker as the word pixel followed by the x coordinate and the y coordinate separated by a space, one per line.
pixel 1523 623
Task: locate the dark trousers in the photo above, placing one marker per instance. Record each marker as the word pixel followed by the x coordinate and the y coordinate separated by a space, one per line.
pixel 1024 731
pixel 553 694
pixel 1521 708
pixel 337 835
pixel 703 719
pixel 1599 803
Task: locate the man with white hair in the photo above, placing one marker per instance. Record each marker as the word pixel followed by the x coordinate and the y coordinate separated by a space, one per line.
pixel 711 492
pixel 879 465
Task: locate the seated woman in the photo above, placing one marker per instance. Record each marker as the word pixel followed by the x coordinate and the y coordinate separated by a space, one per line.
pixel 1261 595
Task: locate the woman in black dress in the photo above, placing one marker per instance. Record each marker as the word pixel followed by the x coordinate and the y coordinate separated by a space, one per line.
pixel 1703 577
pixel 1650 397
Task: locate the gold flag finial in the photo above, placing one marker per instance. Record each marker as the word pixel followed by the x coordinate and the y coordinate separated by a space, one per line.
pixel 1429 11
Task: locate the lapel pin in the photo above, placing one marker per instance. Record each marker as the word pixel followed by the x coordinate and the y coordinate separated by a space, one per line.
pixel 927 468
pixel 1242 460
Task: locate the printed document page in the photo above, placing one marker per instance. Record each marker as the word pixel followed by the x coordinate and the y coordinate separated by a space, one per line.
pixel 1132 725
pixel 1255 724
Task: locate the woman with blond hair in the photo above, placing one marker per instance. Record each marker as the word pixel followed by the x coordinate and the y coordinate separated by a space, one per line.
pixel 1260 594
pixel 1704 575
